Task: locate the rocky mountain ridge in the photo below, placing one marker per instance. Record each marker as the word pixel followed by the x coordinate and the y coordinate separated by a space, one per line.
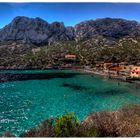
pixel 35 30
pixel 39 31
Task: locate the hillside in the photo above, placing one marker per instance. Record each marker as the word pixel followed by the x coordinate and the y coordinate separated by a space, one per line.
pixel 117 40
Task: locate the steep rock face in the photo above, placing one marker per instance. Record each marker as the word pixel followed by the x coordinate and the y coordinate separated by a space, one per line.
pixel 108 28
pixel 38 31
pixel 35 30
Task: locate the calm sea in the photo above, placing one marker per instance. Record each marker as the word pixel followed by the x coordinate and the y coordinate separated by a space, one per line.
pixel 26 103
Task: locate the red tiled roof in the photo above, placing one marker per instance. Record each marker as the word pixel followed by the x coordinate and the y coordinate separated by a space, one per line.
pixel 116 68
pixel 70 55
pixel 135 71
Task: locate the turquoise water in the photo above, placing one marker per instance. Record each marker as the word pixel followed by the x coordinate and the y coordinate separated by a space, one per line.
pixel 24 104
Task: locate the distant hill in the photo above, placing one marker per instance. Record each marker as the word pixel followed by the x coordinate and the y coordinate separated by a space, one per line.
pixel 39 31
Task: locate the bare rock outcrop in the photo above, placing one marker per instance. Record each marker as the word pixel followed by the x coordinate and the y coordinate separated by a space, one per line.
pixel 39 31
pixel 35 30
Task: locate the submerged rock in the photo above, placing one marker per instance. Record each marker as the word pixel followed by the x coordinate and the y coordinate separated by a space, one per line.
pixel 74 87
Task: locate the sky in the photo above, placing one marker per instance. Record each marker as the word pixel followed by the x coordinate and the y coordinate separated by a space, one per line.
pixel 69 13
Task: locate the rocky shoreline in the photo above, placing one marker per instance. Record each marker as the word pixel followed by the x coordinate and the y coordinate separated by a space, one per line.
pixel 124 122
pixel 4 77
pixel 11 77
pixel 124 79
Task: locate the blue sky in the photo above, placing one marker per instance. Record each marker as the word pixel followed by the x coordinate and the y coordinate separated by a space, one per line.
pixel 69 13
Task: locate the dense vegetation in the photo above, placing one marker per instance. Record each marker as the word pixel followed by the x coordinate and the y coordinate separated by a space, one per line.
pixel 121 123
pixel 88 53
pixel 66 125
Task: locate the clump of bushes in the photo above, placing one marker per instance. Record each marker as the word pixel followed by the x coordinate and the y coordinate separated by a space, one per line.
pixel 122 123
pixel 88 52
pixel 66 125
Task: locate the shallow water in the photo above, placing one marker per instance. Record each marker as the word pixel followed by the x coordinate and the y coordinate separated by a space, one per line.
pixel 24 104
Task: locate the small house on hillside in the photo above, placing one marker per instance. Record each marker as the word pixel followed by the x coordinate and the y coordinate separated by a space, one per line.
pixel 107 65
pixel 69 60
pixel 35 50
pixel 125 69
pixel 124 66
pixel 104 65
pixel 114 70
pixel 135 72
pixel 99 65
pixel 12 47
pixel 70 56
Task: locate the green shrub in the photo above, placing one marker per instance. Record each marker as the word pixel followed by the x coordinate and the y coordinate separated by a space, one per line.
pixel 66 125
